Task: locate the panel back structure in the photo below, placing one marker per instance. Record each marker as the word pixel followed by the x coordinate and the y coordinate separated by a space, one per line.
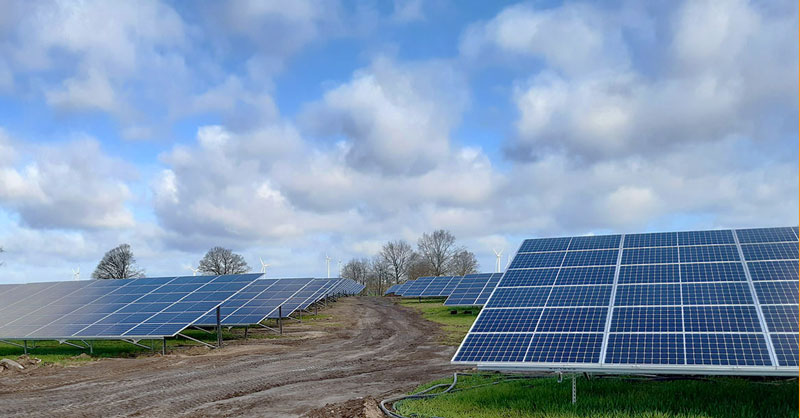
pixel 696 302
pixel 113 309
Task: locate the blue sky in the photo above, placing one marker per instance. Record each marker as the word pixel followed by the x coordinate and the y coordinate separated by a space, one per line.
pixel 291 130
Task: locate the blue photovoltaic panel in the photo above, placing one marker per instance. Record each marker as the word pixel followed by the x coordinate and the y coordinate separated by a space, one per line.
pixel 781 318
pixel 773 251
pixel 758 235
pixel 654 239
pixel 488 289
pixel 401 289
pixel 436 286
pixel 532 260
pixel 468 290
pixel 645 349
pixel 649 273
pixel 657 255
pixel 594 242
pixel 544 244
pixel 773 270
pixel 591 258
pixel 448 290
pixel 419 285
pixel 706 237
pixel 391 289
pixel 530 277
pixel 681 302
pixel 727 349
pixel 263 302
pixel 712 272
pixel 709 253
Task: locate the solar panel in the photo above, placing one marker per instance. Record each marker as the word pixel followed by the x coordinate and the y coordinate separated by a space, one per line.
pixel 132 308
pixel 416 288
pixel 488 289
pixel 468 290
pixel 258 302
pixel 708 302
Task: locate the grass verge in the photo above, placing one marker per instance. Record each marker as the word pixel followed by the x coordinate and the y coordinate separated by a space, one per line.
pixel 455 327
pixel 607 398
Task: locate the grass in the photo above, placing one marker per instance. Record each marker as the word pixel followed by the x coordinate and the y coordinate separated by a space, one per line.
pixel 455 327
pixel 607 398
pixel 53 353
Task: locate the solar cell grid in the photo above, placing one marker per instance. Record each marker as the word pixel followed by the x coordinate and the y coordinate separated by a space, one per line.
pixel 708 253
pixel 572 320
pixel 529 277
pixel 654 239
pixel 656 255
pixel 712 272
pixel 488 289
pixel 727 349
pixel 493 347
pixel 519 297
pixel 706 237
pixel 467 290
pixel 579 296
pixel 415 289
pixel 718 293
pixel 781 318
pixel 532 260
pixel 565 348
pixel 645 349
pixel 647 319
pixel 544 244
pixel 649 273
pixel 747 236
pixel 774 251
pixel 773 270
pixel 721 319
pixel 786 348
pixel 508 320
pixel 594 242
pixel 591 258
pixel 648 294
pixel 585 276
pixel 771 293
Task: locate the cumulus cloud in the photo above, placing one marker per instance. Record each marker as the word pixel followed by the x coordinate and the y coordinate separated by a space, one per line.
pixel 71 185
pixel 396 119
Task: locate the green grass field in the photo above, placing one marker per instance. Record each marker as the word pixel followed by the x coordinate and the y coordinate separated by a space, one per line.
pixel 610 397
pixel 454 326
pixel 606 398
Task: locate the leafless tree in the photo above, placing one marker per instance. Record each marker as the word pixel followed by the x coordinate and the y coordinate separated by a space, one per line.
pixel 419 268
pixel 399 256
pixel 380 273
pixel 356 269
pixel 220 260
pixel 437 249
pixel 118 263
pixel 463 263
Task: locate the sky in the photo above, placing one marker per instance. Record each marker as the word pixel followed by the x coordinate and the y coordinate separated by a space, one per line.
pixel 292 130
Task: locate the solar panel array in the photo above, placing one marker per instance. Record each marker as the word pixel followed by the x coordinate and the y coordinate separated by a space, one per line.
pixel 723 301
pixel 112 309
pixel 399 289
pixel 473 289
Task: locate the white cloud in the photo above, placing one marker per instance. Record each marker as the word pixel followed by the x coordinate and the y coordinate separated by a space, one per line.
pixel 71 185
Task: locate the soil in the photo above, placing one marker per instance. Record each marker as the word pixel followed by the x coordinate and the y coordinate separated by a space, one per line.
pixel 369 349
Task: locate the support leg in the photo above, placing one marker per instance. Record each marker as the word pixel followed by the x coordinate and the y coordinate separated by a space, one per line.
pixel 164 346
pixel 280 319
pixel 245 331
pixel 25 349
pixel 219 330
pixel 574 390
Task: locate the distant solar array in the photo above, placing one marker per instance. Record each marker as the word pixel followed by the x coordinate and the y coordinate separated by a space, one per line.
pixel 706 302
pixel 152 307
pixel 473 290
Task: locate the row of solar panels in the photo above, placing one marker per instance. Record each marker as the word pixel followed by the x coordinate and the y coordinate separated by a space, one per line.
pixel 153 307
pixel 469 290
pixel 708 302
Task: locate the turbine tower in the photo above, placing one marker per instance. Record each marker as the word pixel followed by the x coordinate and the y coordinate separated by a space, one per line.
pixel 328 265
pixel 498 254
pixel 263 265
pixel 339 268
pixel 76 274
pixel 194 270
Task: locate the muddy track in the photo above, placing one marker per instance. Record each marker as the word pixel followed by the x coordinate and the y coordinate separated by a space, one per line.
pixel 370 348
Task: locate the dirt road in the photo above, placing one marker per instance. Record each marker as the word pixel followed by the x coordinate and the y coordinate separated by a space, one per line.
pixel 370 347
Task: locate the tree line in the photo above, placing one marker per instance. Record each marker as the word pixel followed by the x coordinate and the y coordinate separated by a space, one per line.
pixel 437 254
pixel 120 263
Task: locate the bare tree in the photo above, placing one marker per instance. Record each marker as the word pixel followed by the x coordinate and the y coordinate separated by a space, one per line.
pixel 399 256
pixel 220 260
pixel 437 249
pixel 118 263
pixel 356 269
pixel 419 268
pixel 380 273
pixel 463 263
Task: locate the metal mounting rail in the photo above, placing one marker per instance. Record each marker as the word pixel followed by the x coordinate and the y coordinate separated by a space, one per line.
pixel 196 340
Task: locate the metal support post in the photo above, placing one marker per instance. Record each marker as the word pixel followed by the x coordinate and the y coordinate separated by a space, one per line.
pixel 245 331
pixel 219 330
pixel 574 390
pixel 164 346
pixel 280 318
pixel 315 309
pixel 25 349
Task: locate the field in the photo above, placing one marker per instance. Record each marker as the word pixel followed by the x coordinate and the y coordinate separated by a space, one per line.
pixel 496 396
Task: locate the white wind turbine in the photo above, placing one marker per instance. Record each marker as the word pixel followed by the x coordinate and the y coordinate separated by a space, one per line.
pixel 263 265
pixel 76 274
pixel 498 254
pixel 339 268
pixel 508 263
pixel 328 265
pixel 194 270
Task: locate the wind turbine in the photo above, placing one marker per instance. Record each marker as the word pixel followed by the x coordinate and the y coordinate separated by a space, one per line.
pixel 509 260
pixel 498 254
pixel 339 268
pixel 194 270
pixel 328 265
pixel 76 274
pixel 263 265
